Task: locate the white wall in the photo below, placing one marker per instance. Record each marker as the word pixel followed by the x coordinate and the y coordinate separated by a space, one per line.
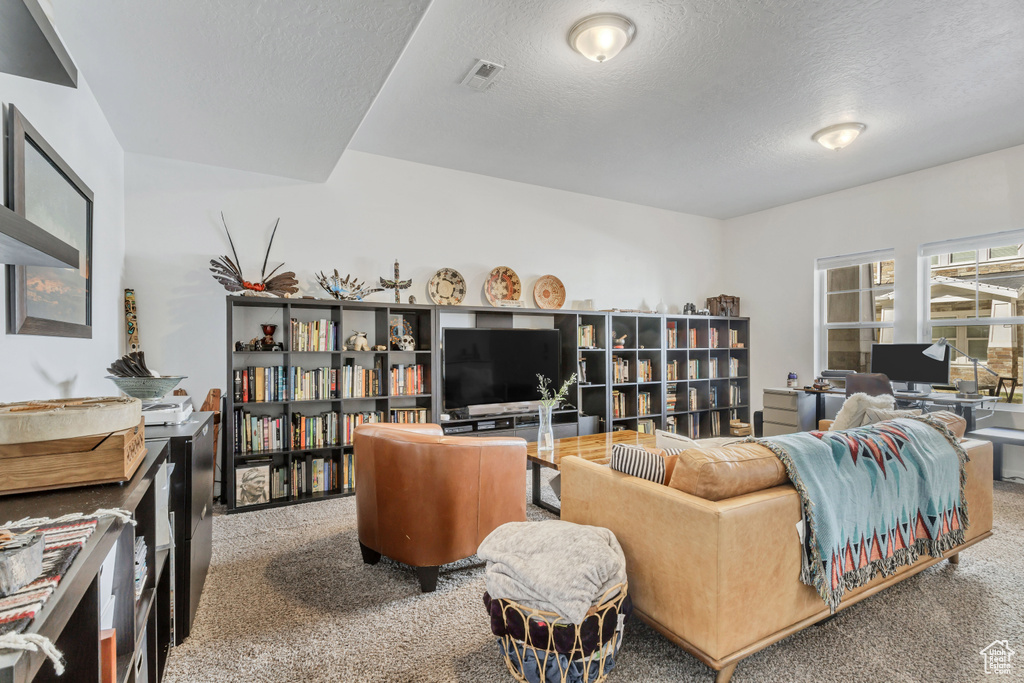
pixel 33 367
pixel 371 211
pixel 770 255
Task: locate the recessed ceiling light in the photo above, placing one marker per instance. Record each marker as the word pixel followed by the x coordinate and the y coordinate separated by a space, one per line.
pixel 601 36
pixel 838 136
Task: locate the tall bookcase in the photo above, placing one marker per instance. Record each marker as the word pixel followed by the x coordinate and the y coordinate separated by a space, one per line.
pixel 368 386
pixel 688 374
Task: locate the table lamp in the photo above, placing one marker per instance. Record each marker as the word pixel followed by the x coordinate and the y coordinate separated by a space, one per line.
pixel 937 351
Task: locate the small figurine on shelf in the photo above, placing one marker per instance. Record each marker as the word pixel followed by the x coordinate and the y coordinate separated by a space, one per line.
pixel 397 284
pixel 620 342
pixel 380 347
pixel 412 298
pixel 358 342
pixel 229 274
pixel 406 343
pixel 268 334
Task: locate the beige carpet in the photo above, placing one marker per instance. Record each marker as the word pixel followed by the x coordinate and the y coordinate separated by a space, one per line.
pixel 289 599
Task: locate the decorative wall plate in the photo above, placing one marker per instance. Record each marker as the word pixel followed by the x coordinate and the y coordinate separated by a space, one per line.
pixel 502 285
pixel 549 292
pixel 447 287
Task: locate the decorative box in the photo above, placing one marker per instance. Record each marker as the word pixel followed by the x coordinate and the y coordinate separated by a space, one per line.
pixel 723 304
pixel 76 461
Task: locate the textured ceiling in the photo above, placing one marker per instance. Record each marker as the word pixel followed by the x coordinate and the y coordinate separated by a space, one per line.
pixel 269 86
pixel 710 110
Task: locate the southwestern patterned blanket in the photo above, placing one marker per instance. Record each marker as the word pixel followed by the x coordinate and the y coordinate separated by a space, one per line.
pixel 874 498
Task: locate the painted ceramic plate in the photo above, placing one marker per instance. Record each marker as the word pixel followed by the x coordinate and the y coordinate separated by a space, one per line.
pixel 447 287
pixel 502 285
pixel 549 292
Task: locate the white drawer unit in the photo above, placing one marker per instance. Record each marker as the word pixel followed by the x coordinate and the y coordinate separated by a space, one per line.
pixel 787 411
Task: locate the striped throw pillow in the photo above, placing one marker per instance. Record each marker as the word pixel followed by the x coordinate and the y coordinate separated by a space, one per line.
pixel 638 462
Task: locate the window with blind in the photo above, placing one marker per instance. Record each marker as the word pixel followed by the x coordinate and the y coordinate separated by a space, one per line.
pixel 972 290
pixel 856 298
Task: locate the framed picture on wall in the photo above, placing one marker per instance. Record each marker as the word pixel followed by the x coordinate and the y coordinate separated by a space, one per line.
pixel 44 189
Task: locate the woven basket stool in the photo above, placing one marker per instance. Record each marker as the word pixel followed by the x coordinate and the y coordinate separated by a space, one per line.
pixel 545 647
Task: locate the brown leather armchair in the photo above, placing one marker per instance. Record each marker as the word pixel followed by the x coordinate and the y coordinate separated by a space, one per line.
pixel 425 499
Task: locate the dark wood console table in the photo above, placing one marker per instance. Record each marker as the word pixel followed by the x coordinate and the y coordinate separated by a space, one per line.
pixel 71 617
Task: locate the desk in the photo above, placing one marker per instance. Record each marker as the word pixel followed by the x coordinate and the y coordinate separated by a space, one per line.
pixel 998 436
pixel 965 407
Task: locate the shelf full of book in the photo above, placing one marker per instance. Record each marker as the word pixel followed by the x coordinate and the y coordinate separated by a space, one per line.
pixel 291 412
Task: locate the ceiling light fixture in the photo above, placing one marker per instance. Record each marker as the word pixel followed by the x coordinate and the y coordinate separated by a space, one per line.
pixel 838 136
pixel 601 36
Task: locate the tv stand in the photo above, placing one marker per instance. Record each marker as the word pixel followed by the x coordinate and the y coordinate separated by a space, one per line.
pixel 564 423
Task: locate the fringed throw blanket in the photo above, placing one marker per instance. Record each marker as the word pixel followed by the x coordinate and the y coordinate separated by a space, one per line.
pixel 874 498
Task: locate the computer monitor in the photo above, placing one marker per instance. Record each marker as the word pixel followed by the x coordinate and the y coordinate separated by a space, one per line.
pixel 907 363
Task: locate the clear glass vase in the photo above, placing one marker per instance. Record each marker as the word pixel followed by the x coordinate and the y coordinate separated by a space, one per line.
pixel 545 435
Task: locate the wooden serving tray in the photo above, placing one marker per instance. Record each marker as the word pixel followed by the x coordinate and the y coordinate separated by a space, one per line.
pixel 78 461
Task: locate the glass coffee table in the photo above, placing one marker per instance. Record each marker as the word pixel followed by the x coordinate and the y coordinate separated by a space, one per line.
pixel 594 447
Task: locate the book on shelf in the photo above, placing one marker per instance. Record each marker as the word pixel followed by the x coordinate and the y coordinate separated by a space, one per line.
pixel 672 370
pixel 645 426
pixel 693 337
pixel 735 395
pixel 360 382
pixel 734 338
pixel 734 367
pixel 314 431
pixel 298 477
pixel 670 398
pixel 693 369
pixel 587 338
pixel 407 380
pixel 258 433
pixel 315 384
pixel 620 370
pixel 618 404
pixel 643 403
pixel 716 424
pixel 671 424
pixel 691 398
pixel 315 335
pixel 409 415
pixel 644 370
pixel 259 384
pixel 671 335
pixel 279 483
pixel 693 425
pixel 352 420
pixel 713 368
pixel 713 395
pixel 713 338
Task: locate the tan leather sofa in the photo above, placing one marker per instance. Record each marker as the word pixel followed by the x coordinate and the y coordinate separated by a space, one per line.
pixel 425 499
pixel 720 578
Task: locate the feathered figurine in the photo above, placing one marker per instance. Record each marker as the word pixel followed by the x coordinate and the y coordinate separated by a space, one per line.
pixel 345 289
pixel 226 272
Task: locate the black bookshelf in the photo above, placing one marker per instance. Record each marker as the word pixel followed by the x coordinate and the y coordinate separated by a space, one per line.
pixel 244 317
pixel 662 346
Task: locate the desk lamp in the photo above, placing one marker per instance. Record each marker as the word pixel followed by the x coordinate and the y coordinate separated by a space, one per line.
pixel 937 351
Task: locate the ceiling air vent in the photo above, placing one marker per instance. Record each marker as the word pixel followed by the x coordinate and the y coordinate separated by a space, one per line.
pixel 482 75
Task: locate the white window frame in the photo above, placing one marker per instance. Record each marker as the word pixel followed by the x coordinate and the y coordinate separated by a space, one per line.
pixel 980 243
pixel 821 324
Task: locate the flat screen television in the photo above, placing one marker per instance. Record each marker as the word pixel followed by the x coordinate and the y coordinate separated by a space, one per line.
pixel 907 363
pixel 489 366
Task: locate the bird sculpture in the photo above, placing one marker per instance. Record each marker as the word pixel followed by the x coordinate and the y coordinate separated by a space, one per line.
pixel 228 273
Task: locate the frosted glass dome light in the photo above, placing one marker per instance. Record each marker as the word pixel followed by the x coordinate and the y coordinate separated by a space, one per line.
pixel 838 136
pixel 601 36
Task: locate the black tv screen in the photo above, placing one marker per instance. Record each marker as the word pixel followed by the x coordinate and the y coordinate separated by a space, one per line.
pixel 496 366
pixel 907 363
